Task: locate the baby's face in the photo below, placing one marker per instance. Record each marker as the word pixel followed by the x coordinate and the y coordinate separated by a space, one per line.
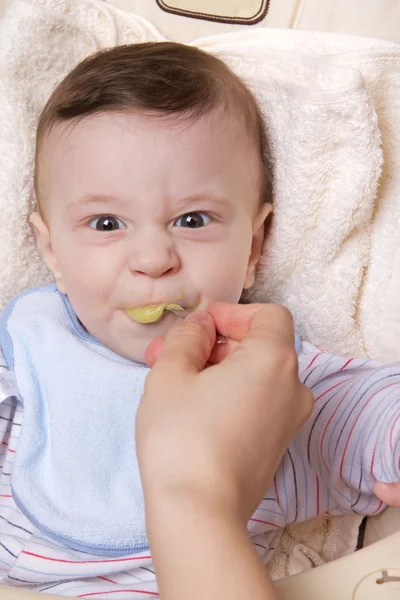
pixel 142 210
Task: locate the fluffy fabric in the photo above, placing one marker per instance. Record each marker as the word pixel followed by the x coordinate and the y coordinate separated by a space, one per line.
pixel 332 108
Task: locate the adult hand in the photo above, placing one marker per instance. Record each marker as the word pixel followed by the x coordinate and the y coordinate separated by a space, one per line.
pixel 221 431
pixel 209 441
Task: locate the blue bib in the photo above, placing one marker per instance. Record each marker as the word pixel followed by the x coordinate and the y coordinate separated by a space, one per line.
pixel 75 474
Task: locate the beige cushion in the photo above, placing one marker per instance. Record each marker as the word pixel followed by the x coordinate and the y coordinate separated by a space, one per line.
pixel 384 524
pixel 359 17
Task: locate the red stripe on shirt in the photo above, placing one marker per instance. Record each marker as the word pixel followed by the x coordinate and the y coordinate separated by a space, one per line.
pixel 391 432
pixel 354 424
pixel 105 579
pixel 345 365
pixel 85 562
pixel 372 461
pixel 265 523
pixel 331 388
pixel 327 425
pixel 379 507
pixel 313 361
pixel 117 592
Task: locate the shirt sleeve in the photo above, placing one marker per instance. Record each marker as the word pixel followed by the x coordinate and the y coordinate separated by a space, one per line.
pixel 351 440
pixel 8 403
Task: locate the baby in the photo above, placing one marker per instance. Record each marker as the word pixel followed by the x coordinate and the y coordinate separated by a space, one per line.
pixel 153 194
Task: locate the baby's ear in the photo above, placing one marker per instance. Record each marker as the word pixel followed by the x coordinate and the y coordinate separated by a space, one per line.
pixel 257 243
pixel 42 235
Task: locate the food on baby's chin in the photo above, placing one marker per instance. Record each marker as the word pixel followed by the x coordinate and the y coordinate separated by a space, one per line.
pixel 151 313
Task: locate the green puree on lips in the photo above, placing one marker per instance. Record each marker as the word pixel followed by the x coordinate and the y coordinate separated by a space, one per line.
pixel 151 313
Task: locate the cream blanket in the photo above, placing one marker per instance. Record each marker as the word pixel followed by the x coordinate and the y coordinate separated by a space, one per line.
pixel 332 108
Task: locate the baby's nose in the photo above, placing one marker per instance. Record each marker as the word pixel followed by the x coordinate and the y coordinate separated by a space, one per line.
pixel 156 259
pixel 155 270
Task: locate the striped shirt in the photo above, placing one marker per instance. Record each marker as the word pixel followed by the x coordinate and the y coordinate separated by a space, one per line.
pixel 350 441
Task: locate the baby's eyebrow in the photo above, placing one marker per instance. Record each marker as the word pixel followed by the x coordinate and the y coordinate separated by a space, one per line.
pixel 92 199
pixel 180 203
pixel 203 197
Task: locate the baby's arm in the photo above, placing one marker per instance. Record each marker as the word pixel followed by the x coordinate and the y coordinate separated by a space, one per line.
pixel 351 441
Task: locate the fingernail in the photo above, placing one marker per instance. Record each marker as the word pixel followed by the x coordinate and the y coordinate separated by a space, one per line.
pixel 200 315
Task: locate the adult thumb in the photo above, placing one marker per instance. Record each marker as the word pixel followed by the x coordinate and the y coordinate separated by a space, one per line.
pixel 187 346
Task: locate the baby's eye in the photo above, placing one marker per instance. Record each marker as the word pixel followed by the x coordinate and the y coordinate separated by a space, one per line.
pixel 193 220
pixel 106 223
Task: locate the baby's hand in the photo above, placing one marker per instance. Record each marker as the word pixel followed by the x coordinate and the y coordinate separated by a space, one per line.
pixel 389 493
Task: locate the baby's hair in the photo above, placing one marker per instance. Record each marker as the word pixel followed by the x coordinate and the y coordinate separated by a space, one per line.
pixel 155 78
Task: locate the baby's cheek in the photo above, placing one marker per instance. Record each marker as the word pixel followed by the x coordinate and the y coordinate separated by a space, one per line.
pixel 222 285
pixel 232 275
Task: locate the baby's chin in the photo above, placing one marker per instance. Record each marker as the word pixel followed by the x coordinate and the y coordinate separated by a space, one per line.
pixel 132 340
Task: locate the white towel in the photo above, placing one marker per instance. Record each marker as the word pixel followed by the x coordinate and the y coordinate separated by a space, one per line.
pixel 327 101
pixel 332 107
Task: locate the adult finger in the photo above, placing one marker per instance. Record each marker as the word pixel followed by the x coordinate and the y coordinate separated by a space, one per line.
pixel 221 351
pixel 268 347
pixel 188 346
pixel 154 351
pixel 218 353
pixel 273 322
pixel 234 320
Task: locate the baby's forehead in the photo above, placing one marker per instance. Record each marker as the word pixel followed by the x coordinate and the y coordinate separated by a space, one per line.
pixel 119 145
pixel 217 124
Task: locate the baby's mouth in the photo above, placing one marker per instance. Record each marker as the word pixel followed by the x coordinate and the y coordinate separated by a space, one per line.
pixel 151 313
